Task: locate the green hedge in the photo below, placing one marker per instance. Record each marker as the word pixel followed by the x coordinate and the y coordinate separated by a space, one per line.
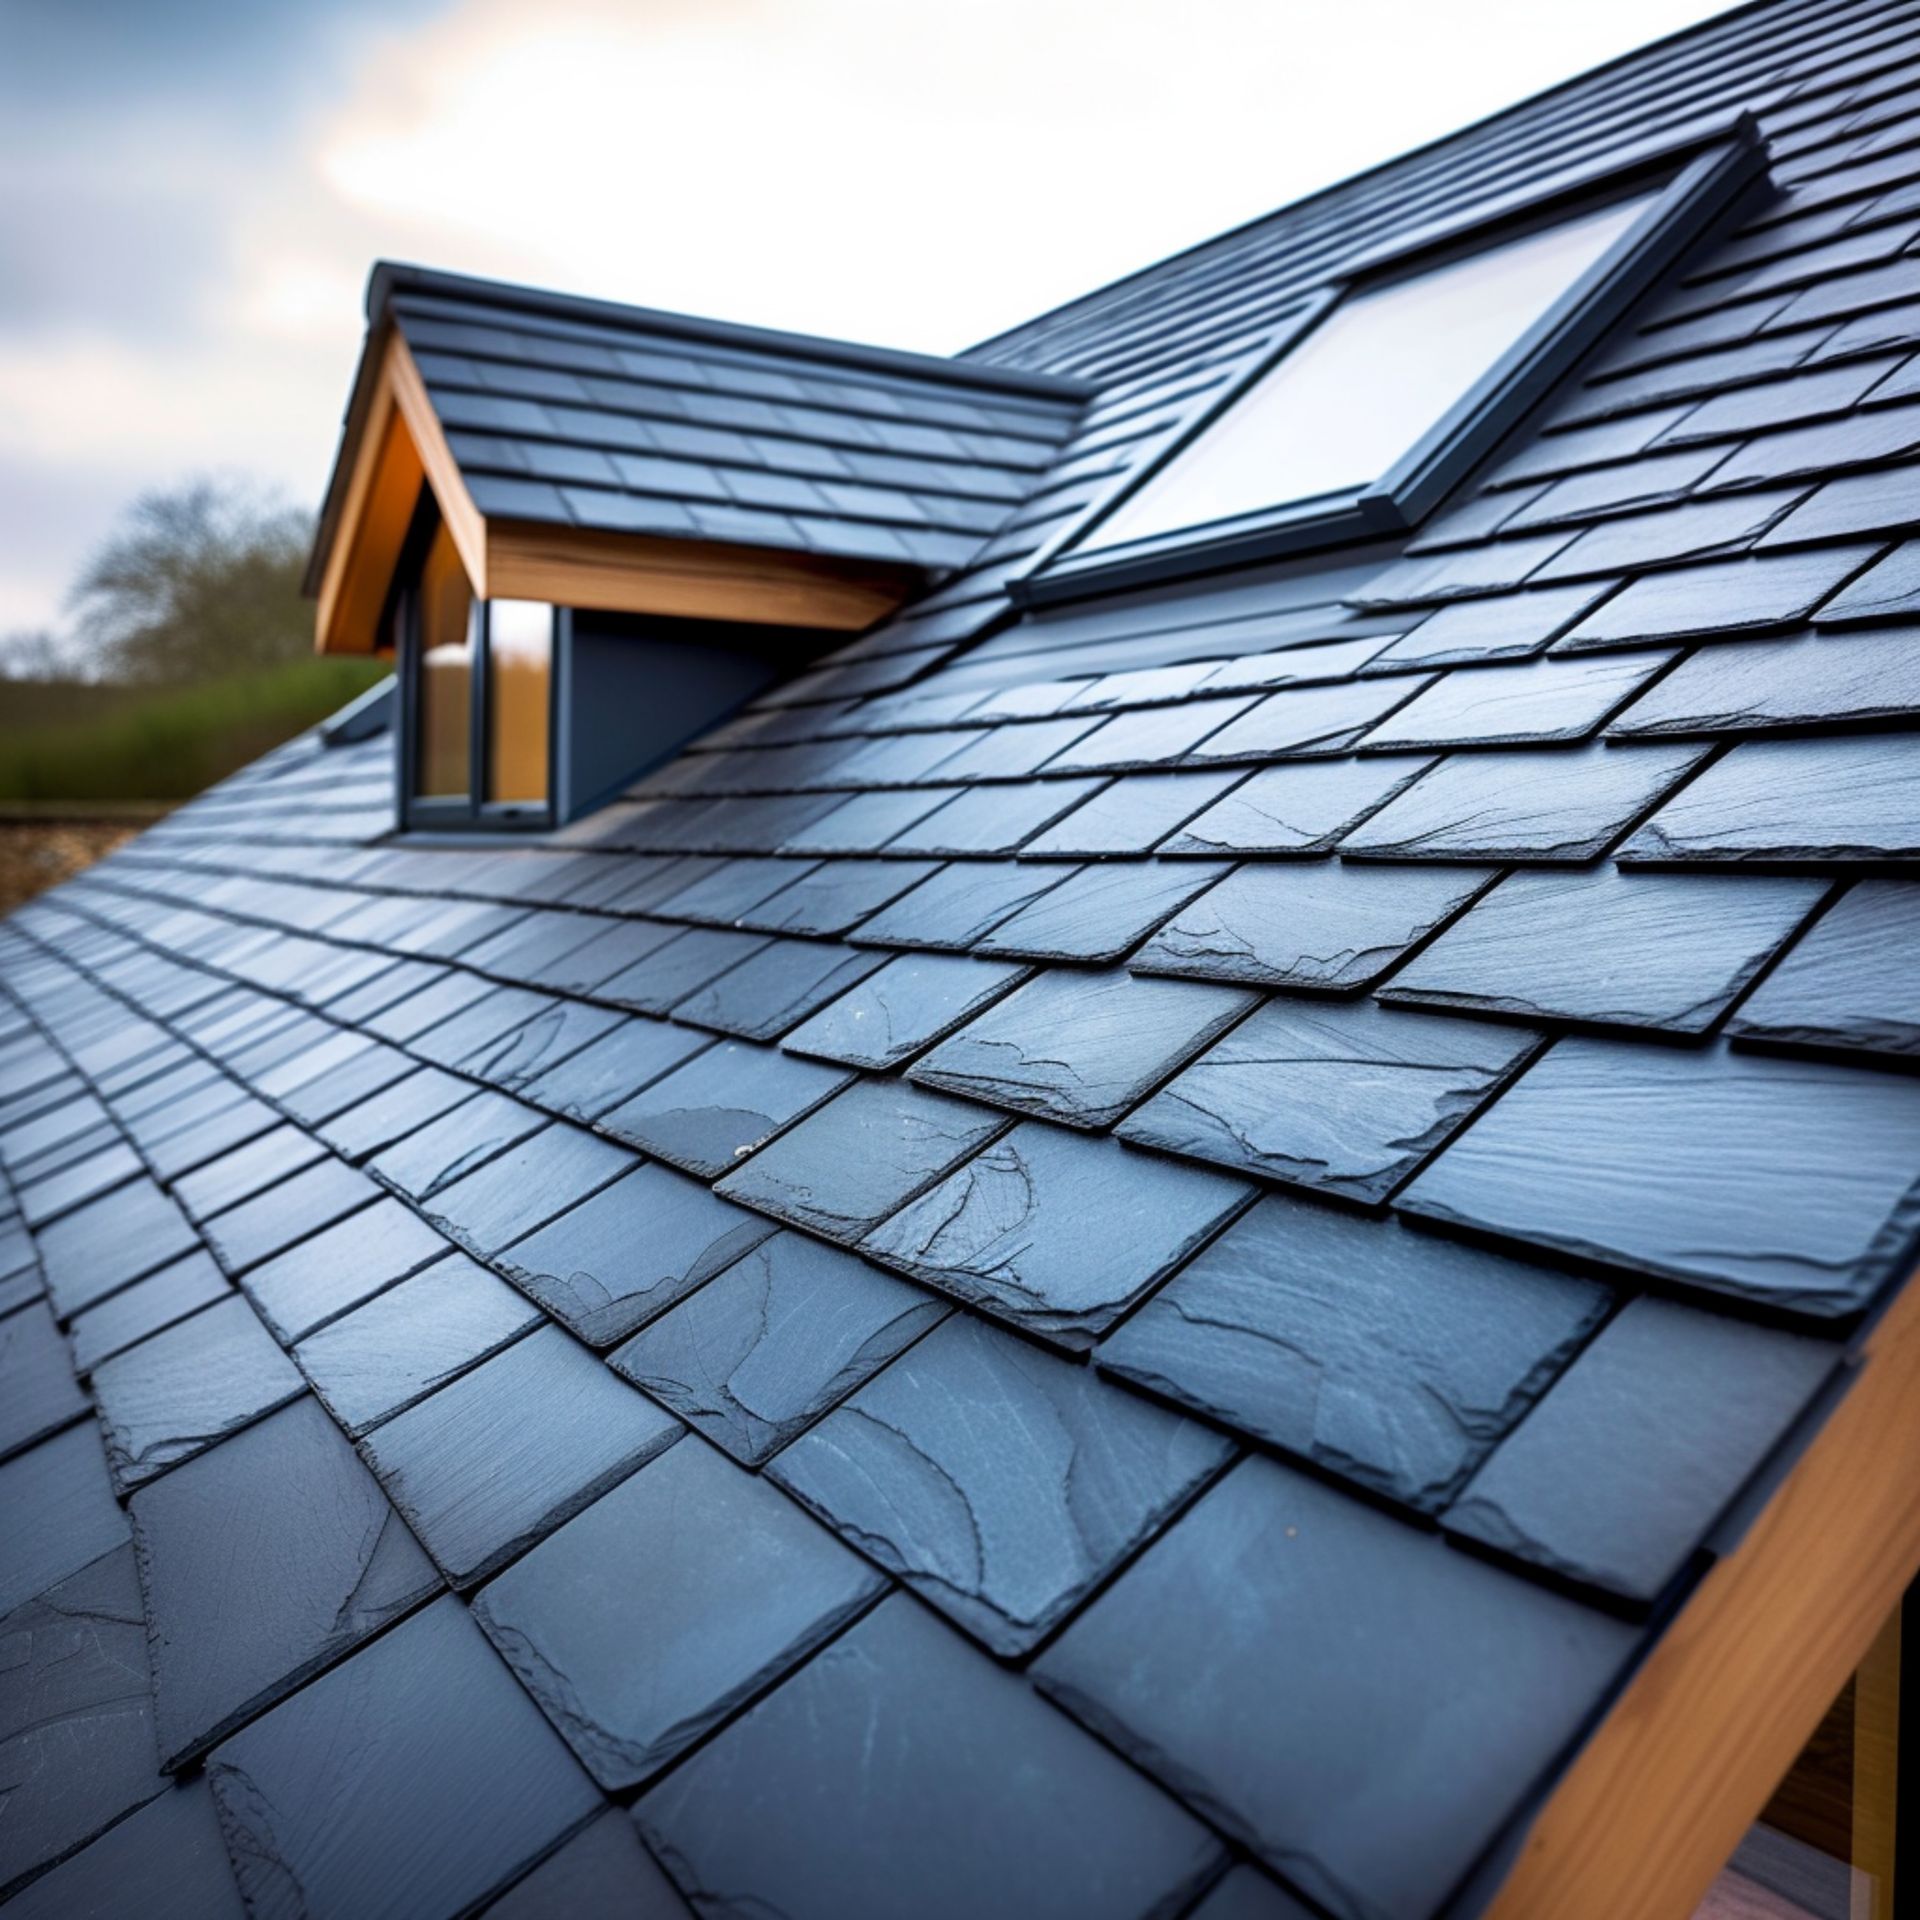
pixel 167 744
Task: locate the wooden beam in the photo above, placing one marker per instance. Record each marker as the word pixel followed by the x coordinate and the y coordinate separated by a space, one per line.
pixel 450 494
pixel 689 579
pixel 1655 1803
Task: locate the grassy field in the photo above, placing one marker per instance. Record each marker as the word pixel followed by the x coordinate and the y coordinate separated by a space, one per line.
pixel 63 742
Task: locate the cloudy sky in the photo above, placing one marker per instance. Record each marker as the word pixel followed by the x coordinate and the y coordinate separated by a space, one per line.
pixel 191 191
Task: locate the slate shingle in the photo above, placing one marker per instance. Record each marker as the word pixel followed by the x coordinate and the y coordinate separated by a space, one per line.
pixel 119 1239
pixel 602 1871
pixel 145 1307
pixel 340 1266
pixel 1850 981
pixel 1303 808
pixel 57 1513
pixel 38 1391
pixel 912 1001
pixel 525 1187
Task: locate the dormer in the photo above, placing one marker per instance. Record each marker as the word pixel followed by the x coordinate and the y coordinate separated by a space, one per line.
pixel 586 532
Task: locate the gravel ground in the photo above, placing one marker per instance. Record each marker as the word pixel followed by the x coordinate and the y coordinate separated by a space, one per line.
pixel 35 854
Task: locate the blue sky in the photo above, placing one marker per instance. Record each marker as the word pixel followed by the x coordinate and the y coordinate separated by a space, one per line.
pixel 191 191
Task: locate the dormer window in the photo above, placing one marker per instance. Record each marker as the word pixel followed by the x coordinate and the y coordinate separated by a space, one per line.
pixel 1393 382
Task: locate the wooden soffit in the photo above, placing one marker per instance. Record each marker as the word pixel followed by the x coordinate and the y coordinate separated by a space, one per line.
pixel 1653 1805
pixel 394 442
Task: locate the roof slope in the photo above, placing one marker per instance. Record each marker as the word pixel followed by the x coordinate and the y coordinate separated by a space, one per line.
pixel 1084 1253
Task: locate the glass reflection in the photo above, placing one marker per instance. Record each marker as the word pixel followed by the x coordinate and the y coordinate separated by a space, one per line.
pixel 519 689
pixel 447 648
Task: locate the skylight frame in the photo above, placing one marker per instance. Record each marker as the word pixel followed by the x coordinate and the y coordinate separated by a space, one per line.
pixel 1694 183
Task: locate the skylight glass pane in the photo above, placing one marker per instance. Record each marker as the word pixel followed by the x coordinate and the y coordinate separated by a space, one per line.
pixel 520 671
pixel 1336 412
pixel 446 671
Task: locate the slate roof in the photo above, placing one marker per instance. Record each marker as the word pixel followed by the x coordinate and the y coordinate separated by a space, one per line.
pixel 1090 1251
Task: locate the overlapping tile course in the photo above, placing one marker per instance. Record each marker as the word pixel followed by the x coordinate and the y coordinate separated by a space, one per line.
pixel 1137 1157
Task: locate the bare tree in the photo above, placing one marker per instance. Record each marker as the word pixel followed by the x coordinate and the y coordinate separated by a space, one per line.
pixel 197 581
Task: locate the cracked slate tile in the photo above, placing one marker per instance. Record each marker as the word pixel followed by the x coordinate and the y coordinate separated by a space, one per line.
pixel 898 1011
pixel 170 1849
pixel 1836 679
pixel 513 1061
pixel 630 1252
pixel 524 1188
pixel 1347 1098
pixel 57 1513
pixel 1529 702
pixel 834 897
pixel 1100 912
pixel 502 1455
pixel 101 1248
pixel 681 967
pixel 788 1330
pixel 893 1743
pixel 1700 529
pixel 339 1267
pixel 1054 1232
pixel 1305 721
pixel 1850 982
pixel 992 819
pixel 914 1469
pixel 1789 1182
pixel 481 1128
pixel 866 1152
pixel 414 1778
pixel 145 1307
pixel 609 1621
pixel 778 987
pixel 179 1393
pixel 602 1873
pixel 405 1343
pixel 263 1562
pixel 1373 1723
pixel 1302 807
pixel 1838 799
pixel 961 904
pixel 613 1068
pixel 1393 1358
pixel 1132 814
pixel 1618 949
pixel 271 1222
pixel 1080 1048
pixel 1543 803
pixel 1324 927
pixel 404 1107
pixel 712 1112
pixel 1298 666
pixel 489 1020
pixel 1150 737
pixel 1619 1473
pixel 76 1715
pixel 38 1391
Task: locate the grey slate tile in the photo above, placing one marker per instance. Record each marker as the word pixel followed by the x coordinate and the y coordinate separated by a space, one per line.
pixel 264 1561
pixel 1348 1099
pixel 1150 736
pixel 1827 800
pixel 515 1060
pixel 525 1187
pixel 682 966
pixel 246 1171
pixel 286 1214
pixel 777 987
pixel 1247 1894
pixel 1299 722
pixel 57 1513
pixel 76 1715
pixel 501 1456
pixel 836 896
pixel 179 1393
pixel 184 1287
pixel 1100 912
pixel 609 1622
pixel 602 1873
pixel 45 1199
pixel 1315 928
pixel 1783 1181
pixel 347 1086
pixel 339 1267
pixel 618 950
pixel 1132 815
pixel 38 1393
pixel 993 819
pixel 866 1152
pixel 867 821
pixel 1888 590
pixel 1080 1048
pixel 1632 1455
pixel 101 1248
pixel 408 1104
pixel 1611 947
pixel 483 1025
pixel 1393 1358
pixel 759 1352
pixel 1531 701
pixel 405 1343
pixel 630 1252
pixel 443 1152
pixel 1372 1723
pixel 1701 529
pixel 916 1470
pixel 613 1068
pixel 720 1106
pixel 1527 804
pixel 164 1862
pixel 414 1778
pixel 1056 1233
pixel 1850 982
pixel 960 904
pixel 910 1002
pixel 901 1721
pixel 1300 808
pixel 1886 500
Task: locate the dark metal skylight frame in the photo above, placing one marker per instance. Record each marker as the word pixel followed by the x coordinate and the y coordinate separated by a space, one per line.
pixel 1694 185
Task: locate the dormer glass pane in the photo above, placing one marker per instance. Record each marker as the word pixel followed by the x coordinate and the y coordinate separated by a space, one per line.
pixel 519 691
pixel 1336 412
pixel 448 620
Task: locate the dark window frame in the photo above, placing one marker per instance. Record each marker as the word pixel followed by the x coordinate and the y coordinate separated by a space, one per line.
pixel 400 621
pixel 1697 184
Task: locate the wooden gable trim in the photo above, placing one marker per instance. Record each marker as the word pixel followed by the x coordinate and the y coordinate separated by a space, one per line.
pixel 1653 1806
